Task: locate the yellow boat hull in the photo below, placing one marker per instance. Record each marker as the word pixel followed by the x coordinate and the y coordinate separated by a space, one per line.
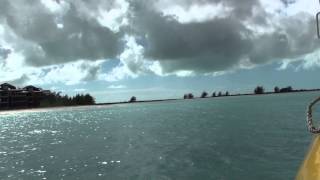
pixel 310 169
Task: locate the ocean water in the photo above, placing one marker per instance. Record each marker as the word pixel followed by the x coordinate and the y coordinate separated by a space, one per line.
pixel 228 138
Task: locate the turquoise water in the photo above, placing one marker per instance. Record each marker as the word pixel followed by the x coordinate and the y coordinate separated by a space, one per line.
pixel 249 137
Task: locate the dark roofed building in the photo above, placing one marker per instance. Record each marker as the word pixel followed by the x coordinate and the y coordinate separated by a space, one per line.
pixel 7 86
pixel 12 97
pixel 31 88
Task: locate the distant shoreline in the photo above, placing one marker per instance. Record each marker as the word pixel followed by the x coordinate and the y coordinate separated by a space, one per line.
pixel 158 100
pixel 232 95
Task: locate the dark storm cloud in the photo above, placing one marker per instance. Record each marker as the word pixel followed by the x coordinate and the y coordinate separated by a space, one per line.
pixel 222 43
pixel 208 46
pixel 43 43
pixel 215 44
pixel 87 40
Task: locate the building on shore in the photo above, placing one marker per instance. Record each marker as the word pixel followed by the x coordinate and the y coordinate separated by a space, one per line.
pixel 12 97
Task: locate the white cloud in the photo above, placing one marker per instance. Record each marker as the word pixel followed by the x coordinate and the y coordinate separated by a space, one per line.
pixel 117 87
pixel 69 73
pixel 117 73
pixel 116 17
pixel 133 56
pixel 311 7
pixel 54 7
pixel 132 63
pixel 184 73
pixel 306 62
pixel 311 60
pixel 197 13
pixel 192 42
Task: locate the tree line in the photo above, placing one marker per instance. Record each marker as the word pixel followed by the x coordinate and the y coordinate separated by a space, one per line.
pixel 257 90
pixel 204 94
pixel 261 90
pixel 56 99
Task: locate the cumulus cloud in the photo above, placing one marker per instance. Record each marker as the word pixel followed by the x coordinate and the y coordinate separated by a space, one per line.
pixel 184 37
pixel 50 37
pixel 68 73
pixel 210 46
pixel 247 34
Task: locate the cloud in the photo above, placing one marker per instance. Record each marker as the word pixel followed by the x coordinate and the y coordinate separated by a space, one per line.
pixel 117 87
pixel 132 63
pixel 20 81
pixel 4 52
pixel 68 73
pixel 248 34
pixel 117 73
pixel 240 9
pixel 65 41
pixel 202 47
pixel 309 61
pixel 288 2
pixel 91 72
pixel 47 37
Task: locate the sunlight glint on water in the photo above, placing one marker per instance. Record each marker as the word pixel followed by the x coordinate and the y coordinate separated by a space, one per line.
pixel 253 137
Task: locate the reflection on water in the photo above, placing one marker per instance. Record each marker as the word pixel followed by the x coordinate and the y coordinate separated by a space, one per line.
pixel 256 137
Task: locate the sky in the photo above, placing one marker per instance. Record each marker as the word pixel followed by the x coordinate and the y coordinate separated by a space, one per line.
pixel 156 49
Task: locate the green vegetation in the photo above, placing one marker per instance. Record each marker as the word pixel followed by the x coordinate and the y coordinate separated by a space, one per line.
pixel 259 90
pixel 286 89
pixel 204 94
pixel 133 99
pixel 188 96
pixel 55 99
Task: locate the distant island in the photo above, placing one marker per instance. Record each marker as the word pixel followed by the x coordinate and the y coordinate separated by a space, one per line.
pixel 259 90
pixel 12 97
